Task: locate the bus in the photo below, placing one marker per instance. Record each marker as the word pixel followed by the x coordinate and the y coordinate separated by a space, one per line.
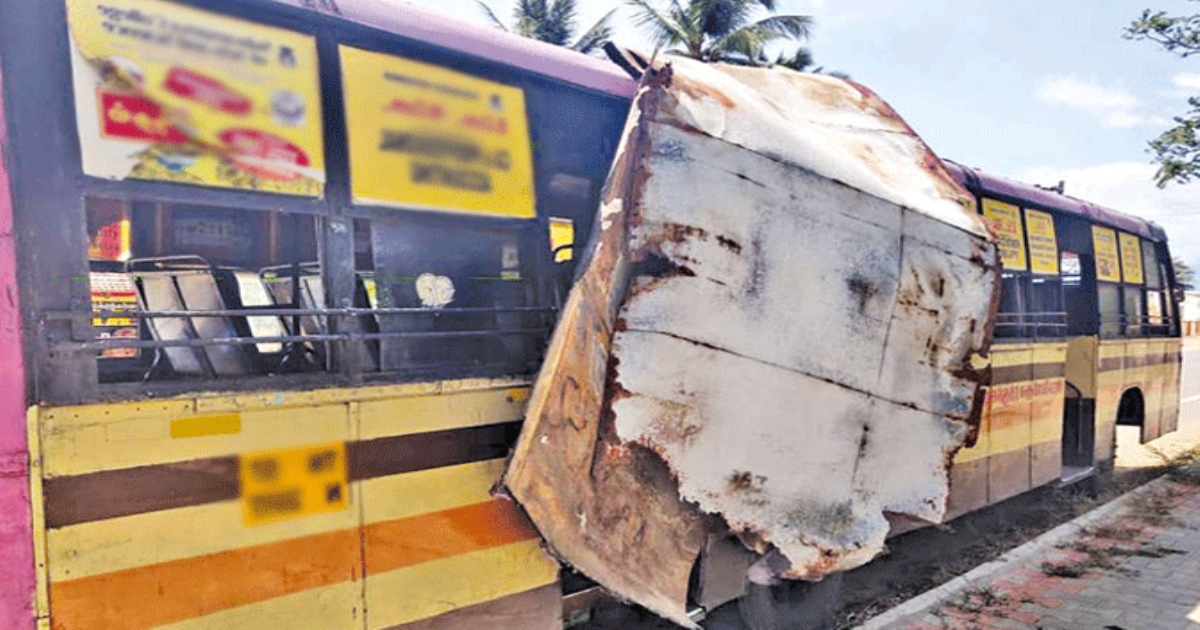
pixel 1087 339
pixel 279 276
pixel 276 278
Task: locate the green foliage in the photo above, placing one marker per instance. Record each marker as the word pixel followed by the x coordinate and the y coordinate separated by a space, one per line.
pixel 1177 150
pixel 736 31
pixel 553 22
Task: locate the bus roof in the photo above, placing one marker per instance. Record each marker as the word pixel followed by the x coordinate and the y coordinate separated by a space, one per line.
pixel 494 44
pixel 987 184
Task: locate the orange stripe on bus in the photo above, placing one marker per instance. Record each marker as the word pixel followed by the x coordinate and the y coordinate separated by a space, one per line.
pixel 168 592
pixel 402 543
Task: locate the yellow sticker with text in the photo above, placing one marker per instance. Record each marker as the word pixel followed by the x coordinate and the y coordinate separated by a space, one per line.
pixel 1104 245
pixel 426 137
pixel 294 482
pixel 1005 220
pixel 1043 246
pixel 1131 258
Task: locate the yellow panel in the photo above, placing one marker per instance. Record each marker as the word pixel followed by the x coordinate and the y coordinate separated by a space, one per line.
pixel 433 588
pixel 200 426
pixel 1131 258
pixel 334 607
pixel 105 437
pixel 1104 245
pixel 410 494
pixel 403 416
pixel 1082 364
pixel 1005 220
pixel 1043 246
pixel 1004 355
pixel 1050 353
pixel 1047 414
pixel 128 542
pixel 428 137
pixel 38 507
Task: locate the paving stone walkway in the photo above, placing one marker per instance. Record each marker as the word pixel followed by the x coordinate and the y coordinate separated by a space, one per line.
pixel 1137 567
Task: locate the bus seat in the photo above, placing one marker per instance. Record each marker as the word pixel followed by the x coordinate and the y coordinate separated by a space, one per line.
pixel 253 293
pixel 193 289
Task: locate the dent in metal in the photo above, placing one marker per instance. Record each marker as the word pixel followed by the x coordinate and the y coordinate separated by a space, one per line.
pixel 773 335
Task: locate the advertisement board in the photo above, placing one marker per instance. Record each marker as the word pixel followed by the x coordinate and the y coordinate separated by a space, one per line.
pixel 1005 220
pixel 1104 244
pixel 425 137
pixel 171 93
pixel 1043 246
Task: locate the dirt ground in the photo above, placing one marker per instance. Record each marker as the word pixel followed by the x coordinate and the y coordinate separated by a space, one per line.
pixel 923 559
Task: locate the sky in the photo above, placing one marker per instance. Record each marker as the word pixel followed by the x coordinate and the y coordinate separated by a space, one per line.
pixel 1035 91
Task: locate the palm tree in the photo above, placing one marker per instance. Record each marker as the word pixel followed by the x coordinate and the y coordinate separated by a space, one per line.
pixel 553 21
pixel 720 30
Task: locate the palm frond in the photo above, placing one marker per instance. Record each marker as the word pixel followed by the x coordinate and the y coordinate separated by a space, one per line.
pixel 662 30
pixel 595 37
pixel 790 26
pixel 491 16
pixel 718 18
pixel 744 45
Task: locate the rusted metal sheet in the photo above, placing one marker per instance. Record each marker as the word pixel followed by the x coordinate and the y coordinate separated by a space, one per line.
pixel 775 333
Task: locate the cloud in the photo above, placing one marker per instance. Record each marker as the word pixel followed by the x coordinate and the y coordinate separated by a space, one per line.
pixel 1186 81
pixel 1113 106
pixel 1128 187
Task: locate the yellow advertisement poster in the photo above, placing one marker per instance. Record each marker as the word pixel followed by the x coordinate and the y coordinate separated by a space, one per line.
pixel 1131 258
pixel 1104 244
pixel 1005 220
pixel 168 92
pixel 1043 246
pixel 423 136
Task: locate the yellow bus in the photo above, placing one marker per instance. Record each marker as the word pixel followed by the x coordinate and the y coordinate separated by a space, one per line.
pixel 284 277
pixel 1087 338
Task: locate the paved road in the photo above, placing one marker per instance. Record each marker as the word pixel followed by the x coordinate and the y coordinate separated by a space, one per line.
pixel 1137 568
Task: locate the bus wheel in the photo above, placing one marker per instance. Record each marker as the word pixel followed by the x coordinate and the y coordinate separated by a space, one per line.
pixel 792 605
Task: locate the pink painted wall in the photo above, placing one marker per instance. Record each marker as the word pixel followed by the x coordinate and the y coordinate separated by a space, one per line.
pixel 16 537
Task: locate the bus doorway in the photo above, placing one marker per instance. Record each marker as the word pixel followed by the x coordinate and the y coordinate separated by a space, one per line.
pixel 1079 434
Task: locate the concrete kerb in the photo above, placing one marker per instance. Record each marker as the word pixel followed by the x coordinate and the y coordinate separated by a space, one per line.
pixel 1011 559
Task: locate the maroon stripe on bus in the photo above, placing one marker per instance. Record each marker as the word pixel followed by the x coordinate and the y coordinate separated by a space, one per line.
pixel 115 493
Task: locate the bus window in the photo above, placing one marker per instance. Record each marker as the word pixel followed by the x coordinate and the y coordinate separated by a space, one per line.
pixel 456 297
pixel 1133 314
pixel 1154 289
pixel 148 259
pixel 1108 296
pixel 1010 317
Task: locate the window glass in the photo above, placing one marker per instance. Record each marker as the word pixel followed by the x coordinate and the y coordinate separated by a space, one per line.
pixel 1047 315
pixel 467 296
pixel 1109 299
pixel 1134 317
pixel 1151 266
pixel 1010 320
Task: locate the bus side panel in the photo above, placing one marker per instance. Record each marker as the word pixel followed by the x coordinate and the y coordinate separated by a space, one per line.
pixel 16 537
pixel 1110 384
pixel 1172 359
pixel 174 513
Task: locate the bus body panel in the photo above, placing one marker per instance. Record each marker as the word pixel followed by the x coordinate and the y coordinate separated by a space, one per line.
pixel 1019 442
pixel 156 517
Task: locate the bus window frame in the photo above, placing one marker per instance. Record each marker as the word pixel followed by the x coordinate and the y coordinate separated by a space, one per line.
pixel 50 190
